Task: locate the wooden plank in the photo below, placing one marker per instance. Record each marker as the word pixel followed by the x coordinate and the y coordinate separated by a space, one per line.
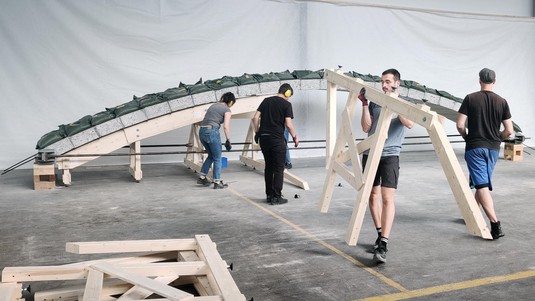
pixel 142 258
pixel 207 252
pixel 73 293
pixel 472 215
pixel 126 246
pixel 346 174
pixel 10 291
pixel 135 161
pixel 374 155
pixel 350 138
pixel 290 177
pixel 139 293
pixel 42 273
pixel 93 286
pixel 200 283
pixel 182 268
pixel 330 139
pixel 43 169
pixel 398 105
pixel 147 283
pixel 50 273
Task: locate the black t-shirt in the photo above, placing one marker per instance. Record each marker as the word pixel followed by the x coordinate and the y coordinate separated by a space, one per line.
pixel 486 111
pixel 273 112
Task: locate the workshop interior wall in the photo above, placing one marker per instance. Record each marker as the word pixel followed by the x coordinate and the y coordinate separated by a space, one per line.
pixel 62 60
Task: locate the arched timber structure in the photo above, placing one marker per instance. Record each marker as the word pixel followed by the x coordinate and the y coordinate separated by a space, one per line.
pixel 128 124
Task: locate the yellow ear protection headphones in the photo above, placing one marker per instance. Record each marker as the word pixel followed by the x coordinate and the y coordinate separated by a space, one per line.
pixel 231 103
pixel 288 93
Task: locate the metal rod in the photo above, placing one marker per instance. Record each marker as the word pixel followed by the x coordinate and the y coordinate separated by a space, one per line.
pixel 30 158
pixel 18 164
pixel 248 143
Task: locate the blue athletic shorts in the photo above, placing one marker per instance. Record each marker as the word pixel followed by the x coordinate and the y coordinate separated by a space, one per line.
pixel 481 162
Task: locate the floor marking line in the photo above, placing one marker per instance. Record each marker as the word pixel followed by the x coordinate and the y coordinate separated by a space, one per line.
pixel 382 277
pixel 453 286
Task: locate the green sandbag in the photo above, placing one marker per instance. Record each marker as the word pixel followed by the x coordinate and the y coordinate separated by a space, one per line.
pixel 285 75
pixel 49 138
pixel 366 78
pixel 102 117
pixel 174 93
pixel 413 85
pixel 448 96
pixel 125 108
pixel 198 87
pixel 246 79
pixel 266 77
pixel 149 100
pixel 221 83
pixel 76 127
pixel 308 74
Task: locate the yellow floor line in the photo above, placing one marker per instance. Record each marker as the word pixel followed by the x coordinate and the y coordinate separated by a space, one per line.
pixel 453 286
pixel 383 278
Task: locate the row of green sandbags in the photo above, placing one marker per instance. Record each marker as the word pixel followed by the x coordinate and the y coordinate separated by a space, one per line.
pixel 409 84
pixel 67 130
pixel 88 121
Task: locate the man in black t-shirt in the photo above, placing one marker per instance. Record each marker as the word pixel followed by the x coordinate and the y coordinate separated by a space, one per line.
pixel 273 114
pixel 482 113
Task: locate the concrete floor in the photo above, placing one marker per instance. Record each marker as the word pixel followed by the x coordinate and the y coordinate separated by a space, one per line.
pixel 291 251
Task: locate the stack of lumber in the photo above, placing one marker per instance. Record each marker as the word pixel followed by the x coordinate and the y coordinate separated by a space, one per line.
pixel 169 269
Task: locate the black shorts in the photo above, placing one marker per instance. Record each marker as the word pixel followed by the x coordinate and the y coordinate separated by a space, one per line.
pixel 387 172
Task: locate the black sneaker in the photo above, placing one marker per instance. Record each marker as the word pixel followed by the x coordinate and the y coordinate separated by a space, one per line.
pixel 288 165
pixel 496 230
pixel 376 245
pixel 204 182
pixel 380 253
pixel 277 200
pixel 220 185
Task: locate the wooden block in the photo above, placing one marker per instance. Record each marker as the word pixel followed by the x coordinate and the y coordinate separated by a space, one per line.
pixel 513 152
pixel 44 176
pixel 10 291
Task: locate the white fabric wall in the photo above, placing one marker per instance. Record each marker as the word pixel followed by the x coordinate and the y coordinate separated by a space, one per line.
pixel 61 60
pixel 442 51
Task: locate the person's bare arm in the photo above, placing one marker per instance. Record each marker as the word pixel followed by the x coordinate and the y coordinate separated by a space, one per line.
pixel 406 122
pixel 226 124
pixel 366 119
pixel 256 121
pixel 289 124
pixel 461 125
pixel 507 129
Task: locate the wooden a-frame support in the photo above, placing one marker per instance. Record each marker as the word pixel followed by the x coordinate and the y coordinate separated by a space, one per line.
pixel 249 155
pixel 338 155
pixel 252 147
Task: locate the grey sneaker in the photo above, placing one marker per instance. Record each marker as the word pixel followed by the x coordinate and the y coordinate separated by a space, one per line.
pixel 380 253
pixel 496 230
pixel 220 185
pixel 204 182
